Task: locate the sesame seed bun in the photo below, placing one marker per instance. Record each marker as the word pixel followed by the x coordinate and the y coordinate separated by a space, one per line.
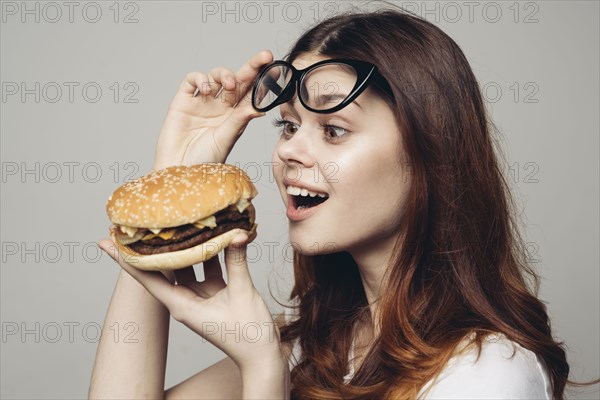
pixel 174 197
pixel 178 195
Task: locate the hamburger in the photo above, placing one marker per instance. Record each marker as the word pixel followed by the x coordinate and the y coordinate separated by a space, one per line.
pixel 181 215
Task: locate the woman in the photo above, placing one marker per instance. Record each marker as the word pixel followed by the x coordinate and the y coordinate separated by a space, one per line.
pixel 411 277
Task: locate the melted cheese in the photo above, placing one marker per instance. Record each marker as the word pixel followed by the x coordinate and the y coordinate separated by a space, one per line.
pixel 128 230
pixel 165 234
pixel 124 238
pixel 211 222
pixel 242 205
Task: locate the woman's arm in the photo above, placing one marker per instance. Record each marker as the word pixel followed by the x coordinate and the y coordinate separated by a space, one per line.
pixel 262 360
pixel 199 127
pixel 132 368
pixel 222 380
pixel 136 368
pixel 263 363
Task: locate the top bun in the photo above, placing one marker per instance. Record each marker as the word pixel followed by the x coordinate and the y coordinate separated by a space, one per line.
pixel 178 195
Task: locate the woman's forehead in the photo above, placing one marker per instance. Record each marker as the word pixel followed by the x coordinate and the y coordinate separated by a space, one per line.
pixel 308 59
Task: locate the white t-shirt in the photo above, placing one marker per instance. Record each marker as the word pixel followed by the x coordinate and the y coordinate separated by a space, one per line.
pixel 494 376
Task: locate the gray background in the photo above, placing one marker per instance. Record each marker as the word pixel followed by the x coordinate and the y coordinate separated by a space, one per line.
pixel 538 62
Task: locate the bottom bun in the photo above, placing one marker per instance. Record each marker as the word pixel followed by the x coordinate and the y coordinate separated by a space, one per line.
pixel 182 258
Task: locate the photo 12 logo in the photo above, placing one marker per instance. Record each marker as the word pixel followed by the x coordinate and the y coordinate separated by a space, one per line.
pixel 250 332
pixel 253 12
pixel 68 172
pixel 518 12
pixel 70 92
pixel 67 331
pixel 53 12
pixel 15 253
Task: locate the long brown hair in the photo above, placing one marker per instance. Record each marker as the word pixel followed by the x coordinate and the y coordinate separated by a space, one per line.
pixel 459 266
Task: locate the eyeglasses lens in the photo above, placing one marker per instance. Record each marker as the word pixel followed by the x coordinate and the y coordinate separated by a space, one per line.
pixel 327 86
pixel 322 88
pixel 272 84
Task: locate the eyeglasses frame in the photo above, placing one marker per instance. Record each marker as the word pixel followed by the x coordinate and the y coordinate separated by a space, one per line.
pixel 366 73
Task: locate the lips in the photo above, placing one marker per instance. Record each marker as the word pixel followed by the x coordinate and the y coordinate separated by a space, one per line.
pixel 297 191
pixel 300 202
pixel 302 205
pixel 296 212
pixel 304 196
pixel 303 199
pixel 297 184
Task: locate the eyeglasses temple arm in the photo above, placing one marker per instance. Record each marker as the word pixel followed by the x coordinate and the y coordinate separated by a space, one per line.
pixel 273 85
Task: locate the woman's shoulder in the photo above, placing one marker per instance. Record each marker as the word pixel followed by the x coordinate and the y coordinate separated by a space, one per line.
pixel 504 370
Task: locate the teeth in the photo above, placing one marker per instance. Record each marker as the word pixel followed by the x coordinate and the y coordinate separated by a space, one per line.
pixel 296 191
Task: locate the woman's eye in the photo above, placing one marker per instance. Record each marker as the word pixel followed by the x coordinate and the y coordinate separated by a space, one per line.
pixel 289 128
pixel 333 132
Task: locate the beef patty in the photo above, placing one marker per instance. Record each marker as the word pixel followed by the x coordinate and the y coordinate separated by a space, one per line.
pixel 188 235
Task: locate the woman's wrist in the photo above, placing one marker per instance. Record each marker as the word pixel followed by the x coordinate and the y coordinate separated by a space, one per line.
pixel 266 380
pixel 266 365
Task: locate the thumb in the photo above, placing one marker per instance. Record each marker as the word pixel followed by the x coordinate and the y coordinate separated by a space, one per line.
pixel 109 248
pixel 238 276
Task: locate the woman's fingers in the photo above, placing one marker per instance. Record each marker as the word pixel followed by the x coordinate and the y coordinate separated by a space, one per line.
pixel 178 298
pixel 198 83
pixel 223 77
pixel 238 276
pixel 243 112
pixel 248 73
pixel 230 88
pixel 155 282
pixel 195 81
pixel 149 279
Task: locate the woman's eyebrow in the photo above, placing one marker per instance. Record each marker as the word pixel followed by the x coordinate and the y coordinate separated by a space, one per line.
pixel 327 97
pixel 324 98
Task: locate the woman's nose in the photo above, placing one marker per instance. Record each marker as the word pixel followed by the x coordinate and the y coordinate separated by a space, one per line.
pixel 297 149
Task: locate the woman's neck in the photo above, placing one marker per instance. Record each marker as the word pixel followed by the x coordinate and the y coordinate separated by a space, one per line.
pixel 372 260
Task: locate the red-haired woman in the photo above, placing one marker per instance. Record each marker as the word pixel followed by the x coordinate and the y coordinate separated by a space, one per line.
pixel 410 275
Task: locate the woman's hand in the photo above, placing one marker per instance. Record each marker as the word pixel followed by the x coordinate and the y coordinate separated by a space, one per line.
pixel 231 316
pixel 204 126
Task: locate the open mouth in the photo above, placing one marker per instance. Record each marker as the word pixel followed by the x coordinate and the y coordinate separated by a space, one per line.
pixel 303 198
